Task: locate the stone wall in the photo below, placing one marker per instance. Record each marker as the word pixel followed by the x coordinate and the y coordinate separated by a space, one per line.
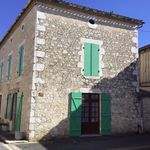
pixel 146 114
pixel 57 71
pixel 24 32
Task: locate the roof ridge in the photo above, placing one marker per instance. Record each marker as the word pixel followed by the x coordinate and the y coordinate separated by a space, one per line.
pixel 110 15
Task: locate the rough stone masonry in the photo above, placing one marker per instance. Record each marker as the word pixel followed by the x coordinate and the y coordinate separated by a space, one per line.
pixel 53 36
pixel 58 63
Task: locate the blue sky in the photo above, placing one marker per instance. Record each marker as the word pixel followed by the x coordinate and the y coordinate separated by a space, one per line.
pixel 9 10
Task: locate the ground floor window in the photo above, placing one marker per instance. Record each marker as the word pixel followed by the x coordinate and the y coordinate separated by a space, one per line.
pixel 90 114
pixel 9 107
pixel 0 102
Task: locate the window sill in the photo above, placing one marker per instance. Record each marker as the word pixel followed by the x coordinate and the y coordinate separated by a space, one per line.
pixel 91 77
pixel 19 78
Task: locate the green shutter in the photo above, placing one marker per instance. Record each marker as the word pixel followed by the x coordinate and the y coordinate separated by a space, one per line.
pixel 91 59
pixel 75 114
pixel 18 111
pixel 6 106
pixel 105 114
pixel 95 60
pixel 87 59
pixel 1 71
pixel 20 63
pixel 9 67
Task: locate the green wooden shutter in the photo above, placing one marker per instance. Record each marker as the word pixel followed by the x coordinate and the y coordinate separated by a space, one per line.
pixel 87 59
pixel 9 67
pixel 20 63
pixel 75 114
pixel 95 60
pixel 6 106
pixel 105 114
pixel 91 59
pixel 1 71
pixel 18 111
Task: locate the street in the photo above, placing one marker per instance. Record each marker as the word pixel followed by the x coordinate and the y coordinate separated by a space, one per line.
pixel 3 146
pixel 127 142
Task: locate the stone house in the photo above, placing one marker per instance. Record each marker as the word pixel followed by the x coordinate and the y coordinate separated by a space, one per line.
pixel 68 70
pixel 144 95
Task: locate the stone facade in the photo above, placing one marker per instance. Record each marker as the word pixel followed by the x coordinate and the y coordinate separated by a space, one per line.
pixel 59 38
pixel 24 34
pixel 53 69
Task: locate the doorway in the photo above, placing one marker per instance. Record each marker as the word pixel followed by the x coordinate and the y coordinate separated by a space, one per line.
pixel 14 98
pixel 0 103
pixel 90 121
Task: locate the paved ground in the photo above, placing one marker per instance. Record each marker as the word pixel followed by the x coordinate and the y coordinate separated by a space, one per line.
pixel 3 147
pixel 128 142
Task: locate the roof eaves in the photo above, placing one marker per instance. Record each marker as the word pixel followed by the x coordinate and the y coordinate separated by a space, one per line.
pixel 111 15
pixel 144 48
pixel 62 2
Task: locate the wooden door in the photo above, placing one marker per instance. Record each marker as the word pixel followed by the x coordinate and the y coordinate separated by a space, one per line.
pixel 90 114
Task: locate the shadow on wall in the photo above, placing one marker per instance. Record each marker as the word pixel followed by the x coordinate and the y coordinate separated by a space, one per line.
pixel 121 88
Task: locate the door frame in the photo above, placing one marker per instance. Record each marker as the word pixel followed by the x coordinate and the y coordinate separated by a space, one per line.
pixel 99 111
pixel 94 91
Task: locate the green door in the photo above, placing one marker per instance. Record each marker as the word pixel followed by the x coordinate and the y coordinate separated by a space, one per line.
pixel 18 111
pixel 75 114
pixel 105 114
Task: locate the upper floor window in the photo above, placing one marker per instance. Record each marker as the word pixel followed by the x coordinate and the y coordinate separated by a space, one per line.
pixel 1 71
pixel 9 67
pixel 20 60
pixel 91 60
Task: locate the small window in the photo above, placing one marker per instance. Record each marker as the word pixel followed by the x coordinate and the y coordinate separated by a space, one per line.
pixel 20 60
pixel 91 60
pixel 92 21
pixel 22 27
pixel 92 24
